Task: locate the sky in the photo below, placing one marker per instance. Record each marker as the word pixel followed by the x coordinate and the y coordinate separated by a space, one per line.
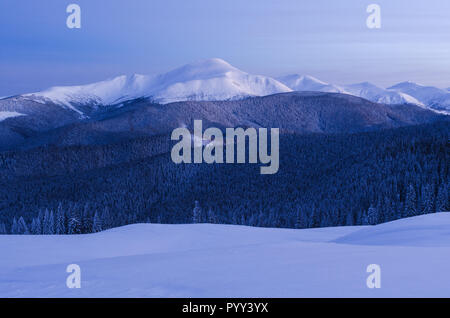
pixel 327 39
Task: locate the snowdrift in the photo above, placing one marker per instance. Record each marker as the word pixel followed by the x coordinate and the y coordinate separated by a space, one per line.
pixel 424 230
pixel 207 260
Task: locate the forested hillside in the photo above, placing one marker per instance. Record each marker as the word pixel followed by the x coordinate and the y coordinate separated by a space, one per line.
pixel 323 180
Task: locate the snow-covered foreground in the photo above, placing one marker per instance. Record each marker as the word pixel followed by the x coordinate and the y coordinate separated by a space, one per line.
pixel 205 260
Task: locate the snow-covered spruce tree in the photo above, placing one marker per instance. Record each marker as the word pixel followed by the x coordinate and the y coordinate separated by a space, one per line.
pixel 197 213
pixel 3 228
pixel 427 199
pixel 253 221
pixel 372 215
pixel 36 226
pixel 14 227
pixel 442 203
pixel 74 224
pixel 106 219
pixel 52 223
pixel 60 226
pixel 392 210
pixel 365 218
pixel 49 222
pixel 298 220
pixel 97 223
pixel 46 224
pixel 87 219
pixel 381 211
pixel 41 221
pixel 313 218
pixel 22 227
pixel 261 218
pixel 211 216
pixel 349 219
pixel 410 202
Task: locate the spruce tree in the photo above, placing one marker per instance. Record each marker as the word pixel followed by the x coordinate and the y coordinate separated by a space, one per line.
pixel 441 198
pixel 14 227
pixel 22 227
pixel 74 224
pixel 97 223
pixel 298 220
pixel 197 213
pixel 349 219
pixel 211 216
pixel 365 218
pixel 106 219
pixel 410 202
pixel 3 228
pixel 36 227
pixel 60 227
pixel 86 219
pixel 427 199
pixel 46 224
pixel 41 221
pixel 372 215
pixel 49 223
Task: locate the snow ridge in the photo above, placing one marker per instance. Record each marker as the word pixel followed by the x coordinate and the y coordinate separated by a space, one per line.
pixel 7 114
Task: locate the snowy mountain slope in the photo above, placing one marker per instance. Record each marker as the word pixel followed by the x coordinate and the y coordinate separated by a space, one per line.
pixel 212 79
pixel 299 112
pixel 365 90
pixel 206 260
pixel 436 98
pixel 308 83
pixel 6 114
pixel 21 118
pixel 423 93
pixel 441 104
pixel 101 93
pixel 380 95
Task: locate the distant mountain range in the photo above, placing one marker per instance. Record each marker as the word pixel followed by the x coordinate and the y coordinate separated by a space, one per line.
pixel 218 93
pixel 403 93
pixel 215 79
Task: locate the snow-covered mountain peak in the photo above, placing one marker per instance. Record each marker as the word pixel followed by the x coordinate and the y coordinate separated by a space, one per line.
pixel 406 84
pixel 410 86
pixel 358 88
pixel 200 70
pixel 210 79
pixel 306 79
pixel 377 94
pixel 436 98
pixel 299 82
pixel 105 92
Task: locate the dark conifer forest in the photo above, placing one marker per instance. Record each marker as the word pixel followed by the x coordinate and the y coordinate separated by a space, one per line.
pixel 323 180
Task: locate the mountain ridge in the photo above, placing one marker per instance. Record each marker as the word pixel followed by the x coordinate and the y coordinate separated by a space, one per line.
pixel 210 79
pixel 215 79
pixel 292 112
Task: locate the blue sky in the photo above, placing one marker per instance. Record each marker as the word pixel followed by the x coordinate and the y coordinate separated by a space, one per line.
pixel 324 38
